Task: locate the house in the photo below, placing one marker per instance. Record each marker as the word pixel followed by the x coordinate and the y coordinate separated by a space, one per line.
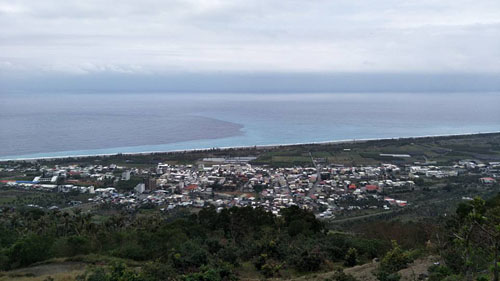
pixel 401 203
pixel 140 188
pixel 126 175
pixel 487 180
pixel 371 188
pixel 191 187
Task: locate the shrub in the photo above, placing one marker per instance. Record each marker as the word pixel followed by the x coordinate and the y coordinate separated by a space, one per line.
pixel 351 258
pixel 30 249
pixel 309 261
pixel 157 271
pixel 439 272
pixel 395 260
pixel 386 276
pixel 71 246
pixel 339 275
pixel 270 269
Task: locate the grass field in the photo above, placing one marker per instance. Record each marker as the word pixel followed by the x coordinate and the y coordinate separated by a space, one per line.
pixel 18 197
pixel 442 150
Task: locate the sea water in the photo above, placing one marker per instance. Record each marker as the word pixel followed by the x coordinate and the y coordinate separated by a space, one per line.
pixel 63 124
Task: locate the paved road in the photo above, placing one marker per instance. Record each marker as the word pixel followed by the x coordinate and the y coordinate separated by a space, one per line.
pixel 362 217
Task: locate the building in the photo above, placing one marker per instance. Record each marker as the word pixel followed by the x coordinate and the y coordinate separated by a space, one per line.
pixel 126 176
pixel 150 184
pixel 487 180
pixel 140 188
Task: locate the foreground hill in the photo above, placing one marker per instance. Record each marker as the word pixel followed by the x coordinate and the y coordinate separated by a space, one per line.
pixel 245 244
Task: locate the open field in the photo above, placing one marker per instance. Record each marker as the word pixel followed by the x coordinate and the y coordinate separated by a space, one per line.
pixel 441 149
pixel 17 197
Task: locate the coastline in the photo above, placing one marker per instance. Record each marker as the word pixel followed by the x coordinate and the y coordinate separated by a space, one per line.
pixel 266 146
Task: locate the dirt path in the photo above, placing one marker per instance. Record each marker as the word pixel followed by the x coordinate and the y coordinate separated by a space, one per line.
pixel 51 268
pixel 414 270
pixel 64 271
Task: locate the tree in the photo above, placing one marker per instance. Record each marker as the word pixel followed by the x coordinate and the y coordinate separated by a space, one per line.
pixel 470 221
pixel 393 261
pixel 351 258
pixel 488 221
pixel 299 221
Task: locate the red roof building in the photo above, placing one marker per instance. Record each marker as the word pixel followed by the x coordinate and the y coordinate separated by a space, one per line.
pixel 192 187
pixel 487 180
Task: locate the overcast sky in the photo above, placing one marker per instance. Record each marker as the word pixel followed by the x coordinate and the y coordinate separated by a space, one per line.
pixel 155 36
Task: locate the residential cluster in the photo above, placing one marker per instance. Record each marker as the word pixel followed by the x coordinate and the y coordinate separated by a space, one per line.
pixel 325 189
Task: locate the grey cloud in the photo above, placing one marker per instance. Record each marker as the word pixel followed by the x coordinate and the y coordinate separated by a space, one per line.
pixel 154 36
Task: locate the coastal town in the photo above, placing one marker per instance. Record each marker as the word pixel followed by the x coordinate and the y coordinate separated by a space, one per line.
pixel 223 182
pixel 209 140
pixel 252 208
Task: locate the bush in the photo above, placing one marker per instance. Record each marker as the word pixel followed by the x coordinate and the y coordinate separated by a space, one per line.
pixel 131 250
pixel 339 275
pixel 190 255
pixel 230 255
pixel 98 274
pixel 270 269
pixel 30 249
pixel 309 261
pixel 439 272
pixel 259 261
pixel 157 271
pixel 4 261
pixel 395 260
pixel 71 246
pixel 117 272
pixel 454 277
pixel 386 276
pixel 351 258
pixel 216 273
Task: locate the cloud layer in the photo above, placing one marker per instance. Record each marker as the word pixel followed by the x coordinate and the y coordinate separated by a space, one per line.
pixel 158 36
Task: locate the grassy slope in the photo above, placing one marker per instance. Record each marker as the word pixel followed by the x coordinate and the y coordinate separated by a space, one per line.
pixel 67 271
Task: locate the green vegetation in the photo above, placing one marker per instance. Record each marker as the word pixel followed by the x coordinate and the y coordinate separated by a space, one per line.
pixel 443 150
pixel 128 185
pixel 19 198
pixel 393 261
pixel 247 243
pixel 203 246
pixel 241 242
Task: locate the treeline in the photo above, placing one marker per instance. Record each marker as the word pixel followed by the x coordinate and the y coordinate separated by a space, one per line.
pixel 193 246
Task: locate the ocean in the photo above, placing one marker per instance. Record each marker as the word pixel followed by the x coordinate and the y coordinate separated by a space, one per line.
pixel 63 124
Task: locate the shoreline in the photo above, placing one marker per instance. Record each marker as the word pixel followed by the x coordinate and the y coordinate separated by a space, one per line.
pixel 267 146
